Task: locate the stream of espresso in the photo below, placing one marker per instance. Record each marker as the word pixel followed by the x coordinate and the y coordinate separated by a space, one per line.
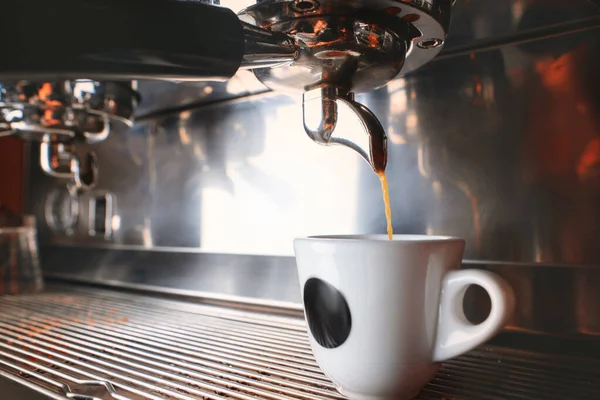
pixel 386 201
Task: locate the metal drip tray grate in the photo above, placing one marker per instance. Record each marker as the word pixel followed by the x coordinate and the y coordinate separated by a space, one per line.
pixel 95 344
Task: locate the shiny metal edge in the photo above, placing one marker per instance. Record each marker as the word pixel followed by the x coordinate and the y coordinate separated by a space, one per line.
pixel 476 24
pixel 541 33
pixel 271 283
pixel 470 144
pixel 92 244
pixel 162 112
pixel 235 302
pixel 261 280
pixel 544 32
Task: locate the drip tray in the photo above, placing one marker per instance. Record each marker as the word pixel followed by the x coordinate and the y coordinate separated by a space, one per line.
pixel 83 343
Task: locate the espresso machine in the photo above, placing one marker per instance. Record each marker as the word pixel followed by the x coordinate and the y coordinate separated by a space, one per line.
pixel 327 51
pixel 166 163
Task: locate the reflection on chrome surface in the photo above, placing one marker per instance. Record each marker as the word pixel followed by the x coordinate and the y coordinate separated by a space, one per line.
pixel 500 147
pixel 472 22
pixel 551 299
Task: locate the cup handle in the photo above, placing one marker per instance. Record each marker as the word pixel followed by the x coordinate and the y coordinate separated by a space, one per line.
pixel 455 334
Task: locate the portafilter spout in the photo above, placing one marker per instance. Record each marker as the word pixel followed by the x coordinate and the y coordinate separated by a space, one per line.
pixel 341 48
pixel 320 113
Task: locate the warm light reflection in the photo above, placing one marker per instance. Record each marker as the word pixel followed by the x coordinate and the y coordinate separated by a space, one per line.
pixel 395 137
pixel 436 186
pixel 396 85
pixel 566 139
pixel 45 91
pixel 398 102
pixel 320 25
pixel 198 153
pixel 244 81
pixel 115 222
pixel 475 213
pixel 398 106
pixel 589 162
pixel 412 122
pixel 146 232
pixel 184 137
pixel 423 161
pixel 482 91
pixel 518 8
pixel 294 187
pixel 556 73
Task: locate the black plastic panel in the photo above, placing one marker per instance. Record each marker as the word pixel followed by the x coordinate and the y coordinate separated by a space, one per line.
pixel 119 40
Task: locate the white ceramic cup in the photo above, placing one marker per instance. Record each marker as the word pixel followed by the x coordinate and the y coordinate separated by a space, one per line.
pixel 382 314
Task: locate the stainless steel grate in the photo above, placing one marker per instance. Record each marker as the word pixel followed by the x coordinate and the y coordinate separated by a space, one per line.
pixel 89 343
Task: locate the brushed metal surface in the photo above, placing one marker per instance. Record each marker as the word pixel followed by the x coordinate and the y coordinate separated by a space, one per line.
pixel 160 97
pixel 500 147
pixel 473 23
pixel 551 299
pixel 481 20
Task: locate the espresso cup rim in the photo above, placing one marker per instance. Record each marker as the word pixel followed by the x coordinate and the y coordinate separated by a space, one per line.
pixel 381 238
